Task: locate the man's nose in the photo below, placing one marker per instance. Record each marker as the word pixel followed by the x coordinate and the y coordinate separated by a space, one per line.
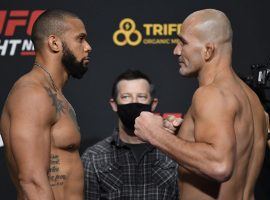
pixel 88 48
pixel 177 50
pixel 134 100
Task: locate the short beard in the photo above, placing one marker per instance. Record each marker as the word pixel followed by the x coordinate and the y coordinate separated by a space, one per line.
pixel 75 68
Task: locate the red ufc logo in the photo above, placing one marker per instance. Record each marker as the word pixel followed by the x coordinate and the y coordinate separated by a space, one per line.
pixel 16 18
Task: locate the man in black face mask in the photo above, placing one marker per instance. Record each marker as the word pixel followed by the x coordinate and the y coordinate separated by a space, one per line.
pixel 122 166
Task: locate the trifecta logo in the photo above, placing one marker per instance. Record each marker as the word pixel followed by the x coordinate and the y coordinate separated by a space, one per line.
pixel 15 31
pixel 128 33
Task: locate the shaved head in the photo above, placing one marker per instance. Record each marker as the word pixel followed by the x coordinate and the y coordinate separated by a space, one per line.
pixel 51 22
pixel 210 25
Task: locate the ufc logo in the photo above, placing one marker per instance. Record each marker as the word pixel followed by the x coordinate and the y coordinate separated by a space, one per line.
pixel 17 18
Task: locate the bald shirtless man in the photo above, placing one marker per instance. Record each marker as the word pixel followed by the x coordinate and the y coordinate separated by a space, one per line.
pixel 220 145
pixel 38 124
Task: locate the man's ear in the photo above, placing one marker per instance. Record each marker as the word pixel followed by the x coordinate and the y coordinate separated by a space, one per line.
pixel 154 104
pixel 113 105
pixel 54 43
pixel 209 51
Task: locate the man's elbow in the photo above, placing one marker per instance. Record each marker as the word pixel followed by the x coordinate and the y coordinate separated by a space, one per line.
pixel 35 187
pixel 221 172
pixel 30 182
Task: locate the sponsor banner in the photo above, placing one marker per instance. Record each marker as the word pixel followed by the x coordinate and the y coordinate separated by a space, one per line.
pixel 166 115
pixel 177 115
pixel 131 34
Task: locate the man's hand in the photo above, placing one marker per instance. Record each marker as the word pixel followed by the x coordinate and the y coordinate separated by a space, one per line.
pixel 147 125
pixel 172 123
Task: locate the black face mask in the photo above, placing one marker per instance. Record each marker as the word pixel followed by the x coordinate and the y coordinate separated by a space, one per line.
pixel 75 69
pixel 129 112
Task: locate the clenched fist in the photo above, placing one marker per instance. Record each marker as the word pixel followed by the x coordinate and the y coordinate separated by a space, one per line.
pixel 147 125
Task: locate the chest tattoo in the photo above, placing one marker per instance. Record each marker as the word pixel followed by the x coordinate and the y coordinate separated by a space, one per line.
pixel 62 106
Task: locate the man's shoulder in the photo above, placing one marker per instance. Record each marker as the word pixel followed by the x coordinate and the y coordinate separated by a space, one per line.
pixel 206 90
pixel 27 88
pixel 102 147
pixel 99 155
pixel 216 96
pixel 26 96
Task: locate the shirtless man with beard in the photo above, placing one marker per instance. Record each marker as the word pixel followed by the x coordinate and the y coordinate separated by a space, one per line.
pixel 220 144
pixel 38 124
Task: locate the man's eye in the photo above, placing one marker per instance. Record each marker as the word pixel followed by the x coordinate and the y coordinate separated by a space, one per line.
pixel 182 43
pixel 142 97
pixel 81 39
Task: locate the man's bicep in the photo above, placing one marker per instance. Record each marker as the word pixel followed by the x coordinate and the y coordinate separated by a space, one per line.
pixel 214 122
pixel 30 124
pixel 30 145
